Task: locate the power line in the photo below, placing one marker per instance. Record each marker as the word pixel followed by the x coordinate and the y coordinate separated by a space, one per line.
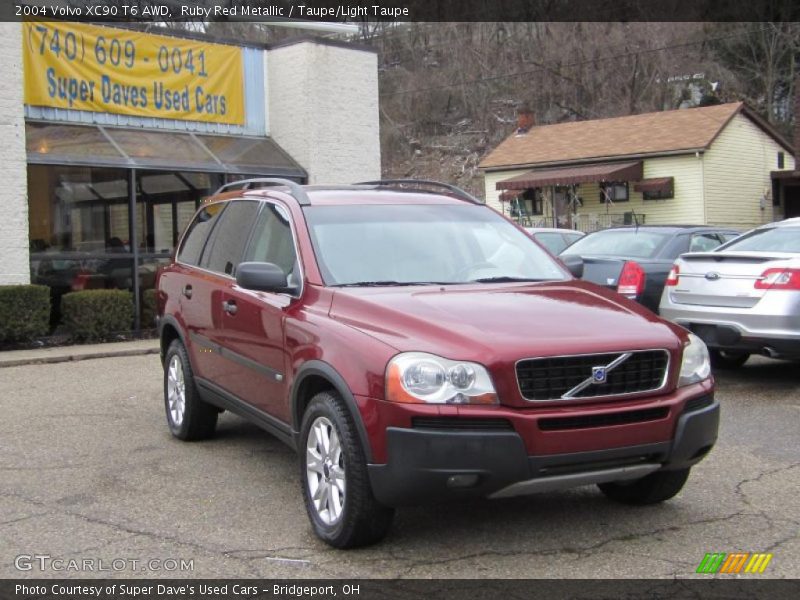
pixel 552 66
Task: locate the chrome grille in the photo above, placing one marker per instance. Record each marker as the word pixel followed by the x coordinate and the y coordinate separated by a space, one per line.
pixel 571 377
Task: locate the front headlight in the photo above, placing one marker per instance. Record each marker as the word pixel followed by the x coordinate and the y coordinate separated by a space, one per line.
pixel 696 364
pixel 418 377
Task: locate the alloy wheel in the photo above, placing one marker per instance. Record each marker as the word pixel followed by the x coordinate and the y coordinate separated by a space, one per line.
pixel 325 471
pixel 176 391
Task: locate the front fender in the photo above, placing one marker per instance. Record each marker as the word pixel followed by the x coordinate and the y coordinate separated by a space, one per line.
pixel 318 368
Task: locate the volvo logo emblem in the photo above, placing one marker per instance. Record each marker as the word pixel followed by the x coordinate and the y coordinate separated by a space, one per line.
pixel 599 374
pixel 712 276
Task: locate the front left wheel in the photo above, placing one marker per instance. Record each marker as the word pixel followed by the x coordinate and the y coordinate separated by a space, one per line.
pixel 333 470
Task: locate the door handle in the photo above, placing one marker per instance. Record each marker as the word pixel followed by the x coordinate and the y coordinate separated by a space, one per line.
pixel 187 291
pixel 229 306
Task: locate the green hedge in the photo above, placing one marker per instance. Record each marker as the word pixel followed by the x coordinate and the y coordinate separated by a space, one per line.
pixel 93 315
pixel 24 312
pixel 149 309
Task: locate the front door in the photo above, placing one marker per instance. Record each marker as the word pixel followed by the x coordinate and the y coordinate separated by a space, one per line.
pixel 254 322
pixel 791 198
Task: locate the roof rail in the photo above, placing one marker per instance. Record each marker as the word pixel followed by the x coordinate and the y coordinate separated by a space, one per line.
pixel 295 189
pixel 422 183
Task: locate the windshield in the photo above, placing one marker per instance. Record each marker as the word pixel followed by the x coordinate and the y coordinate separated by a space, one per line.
pixel 776 239
pixel 423 243
pixel 619 242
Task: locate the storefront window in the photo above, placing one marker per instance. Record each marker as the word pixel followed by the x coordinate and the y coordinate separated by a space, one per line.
pixel 107 204
pixel 79 230
pixel 80 226
pixel 165 203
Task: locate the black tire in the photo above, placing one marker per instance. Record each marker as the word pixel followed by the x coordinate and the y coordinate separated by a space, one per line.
pixel 362 520
pixel 652 489
pixel 726 359
pixel 199 418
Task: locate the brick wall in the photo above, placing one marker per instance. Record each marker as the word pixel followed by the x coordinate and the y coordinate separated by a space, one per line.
pixel 14 265
pixel 323 110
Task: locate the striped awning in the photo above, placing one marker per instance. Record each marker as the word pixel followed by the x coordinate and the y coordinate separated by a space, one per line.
pixel 627 171
pixel 509 195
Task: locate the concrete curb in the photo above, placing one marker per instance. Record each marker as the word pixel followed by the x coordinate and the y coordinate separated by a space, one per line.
pixel 75 356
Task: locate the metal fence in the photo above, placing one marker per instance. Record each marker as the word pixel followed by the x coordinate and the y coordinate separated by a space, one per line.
pixel 584 222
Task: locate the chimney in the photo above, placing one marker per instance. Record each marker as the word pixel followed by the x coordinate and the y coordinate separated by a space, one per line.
pixel 525 119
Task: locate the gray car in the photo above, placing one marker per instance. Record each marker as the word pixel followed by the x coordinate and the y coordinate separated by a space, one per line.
pixel 554 239
pixel 742 298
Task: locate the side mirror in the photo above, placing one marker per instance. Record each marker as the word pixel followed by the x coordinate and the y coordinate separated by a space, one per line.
pixel 262 277
pixel 574 264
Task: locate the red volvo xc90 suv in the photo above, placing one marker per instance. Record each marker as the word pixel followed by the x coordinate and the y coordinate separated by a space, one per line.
pixel 413 345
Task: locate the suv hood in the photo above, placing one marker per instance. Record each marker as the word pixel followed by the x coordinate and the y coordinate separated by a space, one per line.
pixel 503 322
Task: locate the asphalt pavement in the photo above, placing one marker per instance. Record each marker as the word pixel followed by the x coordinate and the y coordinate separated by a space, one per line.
pixel 88 471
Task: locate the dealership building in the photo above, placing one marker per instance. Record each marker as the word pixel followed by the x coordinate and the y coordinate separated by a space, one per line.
pixel 110 138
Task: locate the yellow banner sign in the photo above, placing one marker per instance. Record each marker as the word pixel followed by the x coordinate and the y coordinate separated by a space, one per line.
pixel 102 69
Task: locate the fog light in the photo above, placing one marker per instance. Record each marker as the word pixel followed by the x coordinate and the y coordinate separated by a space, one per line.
pixel 462 481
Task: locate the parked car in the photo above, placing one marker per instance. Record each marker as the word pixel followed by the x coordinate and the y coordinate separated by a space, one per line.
pixel 742 298
pixel 412 345
pixel 635 261
pixel 555 239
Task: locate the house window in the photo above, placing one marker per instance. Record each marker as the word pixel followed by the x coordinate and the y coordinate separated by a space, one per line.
pixel 614 191
pixel 660 194
pixel 781 160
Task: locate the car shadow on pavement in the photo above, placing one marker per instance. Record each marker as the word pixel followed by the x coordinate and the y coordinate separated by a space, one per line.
pixel 778 374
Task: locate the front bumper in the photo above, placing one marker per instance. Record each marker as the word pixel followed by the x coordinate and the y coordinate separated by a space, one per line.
pixel 427 465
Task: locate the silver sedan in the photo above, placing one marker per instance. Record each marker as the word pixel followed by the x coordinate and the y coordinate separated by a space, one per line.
pixel 742 298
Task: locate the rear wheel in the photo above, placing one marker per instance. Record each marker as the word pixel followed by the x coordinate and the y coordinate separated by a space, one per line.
pixel 727 359
pixel 333 470
pixel 188 417
pixel 652 489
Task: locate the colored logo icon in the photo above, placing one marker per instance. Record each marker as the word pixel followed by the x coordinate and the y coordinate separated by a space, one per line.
pixel 736 562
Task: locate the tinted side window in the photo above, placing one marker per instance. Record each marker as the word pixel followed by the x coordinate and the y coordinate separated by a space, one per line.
pixel 224 250
pixel 197 234
pixel 272 240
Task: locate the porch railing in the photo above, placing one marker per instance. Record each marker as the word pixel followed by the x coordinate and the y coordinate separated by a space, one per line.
pixel 584 222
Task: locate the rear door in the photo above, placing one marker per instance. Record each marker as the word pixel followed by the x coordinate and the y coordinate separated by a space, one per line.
pixel 196 291
pixel 222 253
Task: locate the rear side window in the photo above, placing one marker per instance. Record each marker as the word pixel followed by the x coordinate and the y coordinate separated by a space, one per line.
pixel 198 232
pixel 226 245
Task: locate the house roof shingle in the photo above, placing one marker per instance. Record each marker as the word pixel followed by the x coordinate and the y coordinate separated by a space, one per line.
pixel 652 133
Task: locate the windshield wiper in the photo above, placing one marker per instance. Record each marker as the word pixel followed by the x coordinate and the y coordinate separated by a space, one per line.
pixel 506 279
pixel 389 283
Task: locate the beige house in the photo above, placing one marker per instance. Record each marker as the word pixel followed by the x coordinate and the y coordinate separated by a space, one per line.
pixel 708 165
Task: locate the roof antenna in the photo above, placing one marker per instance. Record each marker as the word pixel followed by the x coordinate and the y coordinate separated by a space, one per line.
pixel 635 220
